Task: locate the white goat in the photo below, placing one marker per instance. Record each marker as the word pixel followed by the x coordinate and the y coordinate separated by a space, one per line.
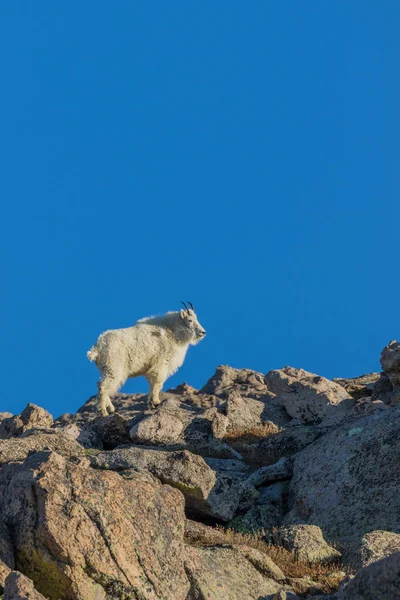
pixel 154 347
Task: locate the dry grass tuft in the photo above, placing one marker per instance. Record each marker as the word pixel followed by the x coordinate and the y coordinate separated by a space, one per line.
pixel 255 434
pixel 245 442
pixel 326 576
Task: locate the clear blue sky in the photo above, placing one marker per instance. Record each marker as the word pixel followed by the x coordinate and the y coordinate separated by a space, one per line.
pixel 244 156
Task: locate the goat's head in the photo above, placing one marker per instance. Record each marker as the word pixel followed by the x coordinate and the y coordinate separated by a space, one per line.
pixel 189 318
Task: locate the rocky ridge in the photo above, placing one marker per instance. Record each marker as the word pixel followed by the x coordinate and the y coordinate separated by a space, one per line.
pixel 253 487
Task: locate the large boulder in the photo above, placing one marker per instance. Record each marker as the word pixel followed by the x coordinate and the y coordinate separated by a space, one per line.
pixel 378 544
pixel 390 361
pixel 35 417
pixel 32 417
pixel 200 535
pixel 159 428
pixel 348 480
pixel 80 533
pixel 248 401
pixel 16 450
pixel 307 396
pixel 227 378
pixel 207 492
pixel 359 387
pixel 240 417
pixel 221 573
pixel 379 581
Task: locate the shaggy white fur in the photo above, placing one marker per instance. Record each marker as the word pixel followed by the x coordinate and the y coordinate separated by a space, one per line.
pixel 154 347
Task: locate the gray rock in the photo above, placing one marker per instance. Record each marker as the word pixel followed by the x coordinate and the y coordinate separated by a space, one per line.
pixel 383 389
pixel 307 542
pixel 390 361
pixel 380 580
pixel 284 595
pixel 64 516
pixel 230 466
pixel 284 444
pixel 364 407
pixel 248 497
pixel 17 449
pixel 283 469
pixel 86 436
pixel 222 573
pixel 272 494
pixel 19 587
pixel 204 491
pixel 112 430
pixel 219 425
pixel 348 481
pixel 259 405
pixel 240 417
pixel 307 396
pixel 32 417
pixel 5 415
pixel 160 428
pixel 378 544
pixel 4 573
pixel 260 518
pixel 11 427
pixel 360 387
pixel 199 534
pixel 262 562
pixel 205 424
pixel 243 380
pixel 7 561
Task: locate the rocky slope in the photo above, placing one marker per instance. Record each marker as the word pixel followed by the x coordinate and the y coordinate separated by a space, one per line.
pixel 255 487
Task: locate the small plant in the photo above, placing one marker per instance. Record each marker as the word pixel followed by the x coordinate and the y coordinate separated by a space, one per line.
pixel 326 576
pixel 254 434
pixel 91 451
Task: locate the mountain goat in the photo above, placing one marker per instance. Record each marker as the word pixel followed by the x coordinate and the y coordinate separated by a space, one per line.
pixel 154 347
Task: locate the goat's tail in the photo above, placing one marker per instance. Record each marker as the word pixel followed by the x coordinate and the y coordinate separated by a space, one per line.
pixel 92 354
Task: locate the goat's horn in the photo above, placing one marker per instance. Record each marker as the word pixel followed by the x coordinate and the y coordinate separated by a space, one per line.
pixel 191 305
pixel 184 305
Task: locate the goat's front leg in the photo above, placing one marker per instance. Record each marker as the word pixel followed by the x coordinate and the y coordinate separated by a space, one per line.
pixel 156 384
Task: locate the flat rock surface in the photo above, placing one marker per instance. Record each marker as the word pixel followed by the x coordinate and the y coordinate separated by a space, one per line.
pixel 348 481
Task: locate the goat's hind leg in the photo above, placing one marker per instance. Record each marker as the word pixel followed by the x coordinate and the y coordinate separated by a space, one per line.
pixel 108 385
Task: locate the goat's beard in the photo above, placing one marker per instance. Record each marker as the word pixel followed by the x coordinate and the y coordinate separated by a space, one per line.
pixel 196 339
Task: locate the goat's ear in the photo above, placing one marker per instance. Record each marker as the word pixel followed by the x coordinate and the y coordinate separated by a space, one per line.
pixel 182 314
